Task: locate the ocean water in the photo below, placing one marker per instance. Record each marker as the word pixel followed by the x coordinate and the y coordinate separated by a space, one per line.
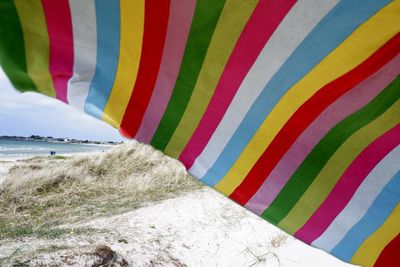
pixel 22 148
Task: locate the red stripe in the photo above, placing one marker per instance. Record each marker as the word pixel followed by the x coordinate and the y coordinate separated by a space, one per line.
pixel 306 114
pixel 155 28
pixel 265 19
pixel 347 185
pixel 390 255
pixel 59 27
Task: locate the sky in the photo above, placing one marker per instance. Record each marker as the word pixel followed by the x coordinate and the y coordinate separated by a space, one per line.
pixel 34 114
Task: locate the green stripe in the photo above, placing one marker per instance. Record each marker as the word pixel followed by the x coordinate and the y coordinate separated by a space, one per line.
pixel 322 152
pixel 337 165
pixel 204 22
pixel 12 47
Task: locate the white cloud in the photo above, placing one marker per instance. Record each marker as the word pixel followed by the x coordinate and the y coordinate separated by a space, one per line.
pixel 47 115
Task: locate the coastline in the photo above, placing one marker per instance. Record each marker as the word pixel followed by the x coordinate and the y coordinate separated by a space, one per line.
pixel 62 140
pixel 4 158
pixel 45 151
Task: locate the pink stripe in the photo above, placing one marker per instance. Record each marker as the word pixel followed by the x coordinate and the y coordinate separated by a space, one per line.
pixel 59 27
pixel 343 107
pixel 348 184
pixel 181 14
pixel 263 22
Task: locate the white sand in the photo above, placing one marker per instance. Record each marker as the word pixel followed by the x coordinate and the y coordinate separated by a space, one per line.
pixel 201 228
pixel 5 165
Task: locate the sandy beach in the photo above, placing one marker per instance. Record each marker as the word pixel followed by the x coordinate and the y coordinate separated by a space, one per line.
pixel 150 213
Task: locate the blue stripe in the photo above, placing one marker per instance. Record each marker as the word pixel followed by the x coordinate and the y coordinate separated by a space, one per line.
pixel 332 30
pixel 376 215
pixel 108 36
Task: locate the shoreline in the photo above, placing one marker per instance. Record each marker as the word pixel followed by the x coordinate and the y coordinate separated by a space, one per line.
pixel 17 157
pixel 6 158
pixel 58 140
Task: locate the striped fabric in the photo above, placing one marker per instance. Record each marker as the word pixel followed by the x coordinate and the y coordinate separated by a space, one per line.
pixel 290 108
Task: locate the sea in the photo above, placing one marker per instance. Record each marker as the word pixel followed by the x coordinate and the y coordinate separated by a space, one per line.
pixel 27 148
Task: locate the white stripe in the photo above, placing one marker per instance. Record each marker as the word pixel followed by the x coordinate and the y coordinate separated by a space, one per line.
pixel 83 15
pixel 297 24
pixel 361 201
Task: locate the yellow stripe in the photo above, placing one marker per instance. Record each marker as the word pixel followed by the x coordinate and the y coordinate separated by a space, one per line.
pixel 336 166
pixel 233 18
pixel 132 24
pixel 31 16
pixel 370 249
pixel 355 49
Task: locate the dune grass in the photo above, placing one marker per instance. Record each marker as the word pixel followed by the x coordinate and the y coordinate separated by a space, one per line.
pixel 42 193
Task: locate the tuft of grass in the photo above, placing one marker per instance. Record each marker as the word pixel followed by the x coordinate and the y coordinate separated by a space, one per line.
pixel 59 157
pixel 278 241
pixel 26 230
pixel 42 193
pixel 7 261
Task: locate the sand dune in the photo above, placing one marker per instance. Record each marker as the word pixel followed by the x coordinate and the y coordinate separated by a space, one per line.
pixel 132 206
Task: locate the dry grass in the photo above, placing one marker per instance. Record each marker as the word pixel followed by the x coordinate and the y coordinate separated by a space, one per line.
pixel 42 193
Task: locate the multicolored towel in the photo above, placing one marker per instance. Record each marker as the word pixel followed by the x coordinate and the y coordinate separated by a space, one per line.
pixel 290 108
